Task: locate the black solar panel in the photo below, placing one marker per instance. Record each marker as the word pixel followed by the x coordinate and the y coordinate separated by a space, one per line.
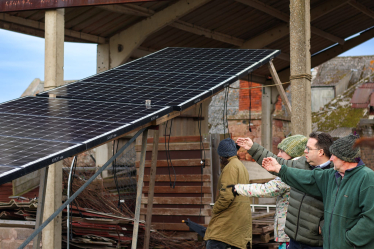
pixel 38 131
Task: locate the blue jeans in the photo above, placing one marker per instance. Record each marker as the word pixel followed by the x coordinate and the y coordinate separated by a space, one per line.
pixel 297 245
pixel 215 244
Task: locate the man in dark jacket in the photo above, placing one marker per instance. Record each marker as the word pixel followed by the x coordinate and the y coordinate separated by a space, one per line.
pixel 347 192
pixel 305 212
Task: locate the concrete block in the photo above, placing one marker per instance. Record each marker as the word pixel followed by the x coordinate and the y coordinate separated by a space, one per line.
pixel 13 244
pixel 7 233
pixel 23 233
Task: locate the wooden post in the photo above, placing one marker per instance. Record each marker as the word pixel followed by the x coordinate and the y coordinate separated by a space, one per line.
pixel 54 76
pixel 280 88
pixel 41 201
pixel 266 119
pixel 139 189
pixel 151 190
pixel 300 63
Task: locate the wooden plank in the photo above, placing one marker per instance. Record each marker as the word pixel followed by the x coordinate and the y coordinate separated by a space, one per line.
pixel 173 226
pixel 139 190
pixel 17 223
pixel 279 86
pixel 41 200
pixel 176 146
pixel 258 217
pixel 176 163
pixel 179 190
pixel 179 200
pixel 178 211
pixel 178 139
pixel 151 179
pixel 180 178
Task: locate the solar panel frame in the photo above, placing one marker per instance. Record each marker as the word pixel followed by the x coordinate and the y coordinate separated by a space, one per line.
pixel 189 88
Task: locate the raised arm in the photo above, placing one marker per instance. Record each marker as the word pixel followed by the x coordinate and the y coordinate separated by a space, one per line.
pixel 307 181
pixel 270 189
pixel 258 153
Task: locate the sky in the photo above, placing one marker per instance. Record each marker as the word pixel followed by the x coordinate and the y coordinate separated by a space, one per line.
pixel 22 60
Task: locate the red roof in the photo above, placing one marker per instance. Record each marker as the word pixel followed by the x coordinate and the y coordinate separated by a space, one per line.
pixel 362 97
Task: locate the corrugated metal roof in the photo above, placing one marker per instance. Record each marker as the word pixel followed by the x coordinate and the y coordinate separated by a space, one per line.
pixel 361 97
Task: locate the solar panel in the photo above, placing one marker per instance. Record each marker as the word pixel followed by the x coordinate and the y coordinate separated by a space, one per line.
pixel 38 131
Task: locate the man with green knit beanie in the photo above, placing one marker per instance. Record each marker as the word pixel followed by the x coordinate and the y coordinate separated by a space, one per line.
pixel 346 191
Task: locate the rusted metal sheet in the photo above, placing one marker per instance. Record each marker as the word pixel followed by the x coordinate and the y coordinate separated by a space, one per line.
pixel 20 5
pixel 361 97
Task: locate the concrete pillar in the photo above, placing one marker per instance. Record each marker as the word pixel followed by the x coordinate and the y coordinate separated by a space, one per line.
pixel 54 49
pixel 102 58
pixel 103 152
pixel 301 119
pixel 266 119
pixel 53 77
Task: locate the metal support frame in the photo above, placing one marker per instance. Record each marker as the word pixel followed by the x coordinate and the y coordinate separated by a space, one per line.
pixel 40 209
pixel 151 190
pixel 139 190
pixel 67 202
pixel 68 220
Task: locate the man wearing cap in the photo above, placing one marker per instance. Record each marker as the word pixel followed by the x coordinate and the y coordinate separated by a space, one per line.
pixel 347 193
pixel 305 212
pixel 231 223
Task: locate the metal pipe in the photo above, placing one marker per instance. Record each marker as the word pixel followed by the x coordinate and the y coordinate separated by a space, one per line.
pixel 68 201
pixel 68 223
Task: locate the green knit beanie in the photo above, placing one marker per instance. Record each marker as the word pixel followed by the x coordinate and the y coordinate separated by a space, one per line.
pixel 343 148
pixel 294 145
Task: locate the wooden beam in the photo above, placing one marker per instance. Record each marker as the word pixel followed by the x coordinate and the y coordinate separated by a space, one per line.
pixel 179 190
pixel 327 35
pixel 139 191
pixel 180 178
pixel 176 163
pixel 128 9
pixel 179 200
pixel 280 88
pixel 362 8
pixel 282 30
pixel 197 30
pixel 39 26
pixel 132 38
pixel 40 209
pixel 179 211
pixel 152 180
pixel 318 59
pixel 175 146
pixel 286 18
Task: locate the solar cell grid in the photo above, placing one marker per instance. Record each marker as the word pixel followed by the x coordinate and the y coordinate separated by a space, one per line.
pixel 78 109
pixel 38 131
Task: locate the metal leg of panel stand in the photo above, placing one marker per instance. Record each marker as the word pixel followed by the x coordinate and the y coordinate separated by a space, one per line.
pixel 40 210
pixel 139 190
pixel 151 188
pixel 80 190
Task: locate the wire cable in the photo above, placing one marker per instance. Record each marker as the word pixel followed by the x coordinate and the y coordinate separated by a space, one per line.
pixel 167 152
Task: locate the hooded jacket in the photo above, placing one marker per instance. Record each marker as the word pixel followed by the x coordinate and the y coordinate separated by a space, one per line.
pixel 348 202
pixel 305 212
pixel 231 221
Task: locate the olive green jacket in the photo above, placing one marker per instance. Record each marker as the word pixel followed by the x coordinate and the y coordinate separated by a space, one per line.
pixel 231 221
pixel 305 212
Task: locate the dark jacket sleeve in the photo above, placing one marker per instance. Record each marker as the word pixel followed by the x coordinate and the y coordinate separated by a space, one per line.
pixel 258 153
pixel 307 181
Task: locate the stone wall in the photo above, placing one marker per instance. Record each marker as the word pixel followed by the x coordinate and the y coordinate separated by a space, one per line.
pixel 12 238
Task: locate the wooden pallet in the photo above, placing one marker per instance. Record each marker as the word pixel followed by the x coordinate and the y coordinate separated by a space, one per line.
pixel 192 193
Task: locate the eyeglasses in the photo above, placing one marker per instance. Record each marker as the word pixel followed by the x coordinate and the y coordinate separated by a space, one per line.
pixel 308 149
